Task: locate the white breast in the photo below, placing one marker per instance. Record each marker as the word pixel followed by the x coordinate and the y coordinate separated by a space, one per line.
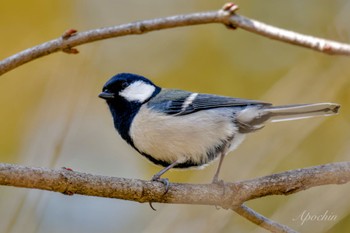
pixel 182 138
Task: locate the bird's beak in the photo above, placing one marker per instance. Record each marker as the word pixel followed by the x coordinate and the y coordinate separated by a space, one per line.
pixel 106 95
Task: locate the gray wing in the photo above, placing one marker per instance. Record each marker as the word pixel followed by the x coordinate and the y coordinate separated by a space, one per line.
pixel 182 102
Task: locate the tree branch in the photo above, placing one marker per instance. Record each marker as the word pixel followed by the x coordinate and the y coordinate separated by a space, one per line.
pixel 226 16
pixel 228 195
pixel 260 220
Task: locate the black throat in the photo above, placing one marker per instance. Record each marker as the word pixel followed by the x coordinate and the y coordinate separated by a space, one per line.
pixel 124 112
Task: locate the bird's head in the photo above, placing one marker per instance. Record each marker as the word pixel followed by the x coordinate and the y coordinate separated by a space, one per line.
pixel 128 88
pixel 125 93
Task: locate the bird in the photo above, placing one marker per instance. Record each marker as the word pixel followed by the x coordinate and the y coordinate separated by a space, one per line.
pixel 182 129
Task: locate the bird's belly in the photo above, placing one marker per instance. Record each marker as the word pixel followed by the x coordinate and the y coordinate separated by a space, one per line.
pixel 194 139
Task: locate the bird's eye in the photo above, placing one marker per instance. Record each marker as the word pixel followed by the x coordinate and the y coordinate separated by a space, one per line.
pixel 125 84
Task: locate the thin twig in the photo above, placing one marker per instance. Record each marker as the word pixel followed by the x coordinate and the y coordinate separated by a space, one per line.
pixel 311 42
pixel 228 196
pixel 226 16
pixel 261 220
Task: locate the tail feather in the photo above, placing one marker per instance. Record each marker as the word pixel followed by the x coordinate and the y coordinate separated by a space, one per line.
pixel 253 118
pixel 300 111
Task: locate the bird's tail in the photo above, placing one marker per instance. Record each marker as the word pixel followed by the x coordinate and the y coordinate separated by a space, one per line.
pixel 253 118
pixel 300 111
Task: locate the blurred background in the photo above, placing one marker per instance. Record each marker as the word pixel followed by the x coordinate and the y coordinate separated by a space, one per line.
pixel 51 116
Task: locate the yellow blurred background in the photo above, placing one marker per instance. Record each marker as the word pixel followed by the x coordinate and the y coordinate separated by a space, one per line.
pixel 51 116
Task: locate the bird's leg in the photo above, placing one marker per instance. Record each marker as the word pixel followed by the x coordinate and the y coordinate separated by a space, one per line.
pixel 216 176
pixel 165 181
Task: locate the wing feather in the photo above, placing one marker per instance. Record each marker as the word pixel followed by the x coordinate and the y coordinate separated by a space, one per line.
pixel 173 102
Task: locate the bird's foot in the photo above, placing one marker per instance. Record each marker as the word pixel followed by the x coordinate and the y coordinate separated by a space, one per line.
pixel 217 181
pixel 221 183
pixel 165 181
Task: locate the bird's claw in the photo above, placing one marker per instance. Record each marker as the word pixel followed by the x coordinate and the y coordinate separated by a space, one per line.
pixel 151 205
pixel 165 181
pixel 218 182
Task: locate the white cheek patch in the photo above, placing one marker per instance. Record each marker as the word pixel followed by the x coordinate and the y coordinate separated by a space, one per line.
pixel 138 91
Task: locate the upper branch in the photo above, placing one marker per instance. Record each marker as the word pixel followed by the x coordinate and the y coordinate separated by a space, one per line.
pixel 226 16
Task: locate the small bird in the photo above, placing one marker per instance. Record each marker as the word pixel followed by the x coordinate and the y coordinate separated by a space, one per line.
pixel 181 129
